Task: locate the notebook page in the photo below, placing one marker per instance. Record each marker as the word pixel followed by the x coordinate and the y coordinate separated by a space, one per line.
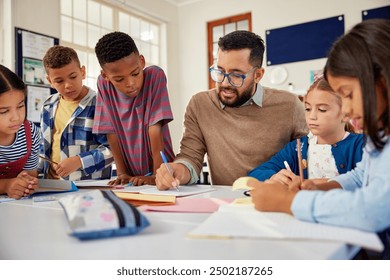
pixel 243 221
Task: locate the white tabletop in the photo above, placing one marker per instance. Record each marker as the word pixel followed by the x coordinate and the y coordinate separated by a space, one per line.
pixel 31 230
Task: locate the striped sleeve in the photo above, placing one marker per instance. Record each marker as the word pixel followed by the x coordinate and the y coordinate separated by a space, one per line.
pixel 102 119
pixel 160 107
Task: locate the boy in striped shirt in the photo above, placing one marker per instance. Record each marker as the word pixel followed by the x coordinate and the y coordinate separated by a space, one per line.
pixel 132 108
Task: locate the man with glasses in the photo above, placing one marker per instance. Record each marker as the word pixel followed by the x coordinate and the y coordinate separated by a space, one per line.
pixel 240 124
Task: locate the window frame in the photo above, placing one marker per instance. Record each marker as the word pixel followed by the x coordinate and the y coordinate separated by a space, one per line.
pixel 222 22
pixel 153 47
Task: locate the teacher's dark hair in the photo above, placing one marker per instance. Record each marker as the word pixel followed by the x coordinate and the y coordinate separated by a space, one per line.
pixel 240 39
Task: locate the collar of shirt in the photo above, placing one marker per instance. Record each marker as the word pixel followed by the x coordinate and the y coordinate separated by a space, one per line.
pixel 55 98
pixel 257 98
pixel 313 138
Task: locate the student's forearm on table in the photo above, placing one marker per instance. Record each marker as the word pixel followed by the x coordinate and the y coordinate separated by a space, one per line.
pixel 156 143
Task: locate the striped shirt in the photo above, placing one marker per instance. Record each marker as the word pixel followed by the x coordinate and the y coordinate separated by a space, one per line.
pixel 130 118
pixel 18 149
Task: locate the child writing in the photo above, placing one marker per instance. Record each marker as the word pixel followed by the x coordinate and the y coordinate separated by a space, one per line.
pixel 358 70
pixel 328 150
pixel 133 109
pixel 19 139
pixel 67 120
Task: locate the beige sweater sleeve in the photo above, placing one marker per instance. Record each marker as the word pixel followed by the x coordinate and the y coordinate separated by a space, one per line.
pixel 192 145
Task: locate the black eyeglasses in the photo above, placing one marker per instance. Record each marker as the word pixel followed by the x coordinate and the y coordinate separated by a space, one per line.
pixel 235 79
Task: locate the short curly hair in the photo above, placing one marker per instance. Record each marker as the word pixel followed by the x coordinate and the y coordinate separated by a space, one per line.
pixel 114 46
pixel 59 56
pixel 241 39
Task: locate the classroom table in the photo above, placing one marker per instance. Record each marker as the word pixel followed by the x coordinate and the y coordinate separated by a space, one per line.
pixel 31 230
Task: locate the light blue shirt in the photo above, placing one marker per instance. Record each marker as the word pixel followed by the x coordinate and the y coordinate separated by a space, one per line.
pixel 364 201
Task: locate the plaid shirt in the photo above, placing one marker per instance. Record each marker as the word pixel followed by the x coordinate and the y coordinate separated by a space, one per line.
pixel 77 139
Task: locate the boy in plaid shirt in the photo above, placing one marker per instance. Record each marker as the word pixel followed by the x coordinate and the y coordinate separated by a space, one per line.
pixel 67 121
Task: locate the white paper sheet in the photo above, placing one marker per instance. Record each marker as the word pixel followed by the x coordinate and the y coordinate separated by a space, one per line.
pixel 243 221
pixel 183 190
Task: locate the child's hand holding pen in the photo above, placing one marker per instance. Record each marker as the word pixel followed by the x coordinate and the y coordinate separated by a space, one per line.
pixel 284 176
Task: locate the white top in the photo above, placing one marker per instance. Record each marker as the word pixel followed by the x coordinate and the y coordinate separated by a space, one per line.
pixel 321 162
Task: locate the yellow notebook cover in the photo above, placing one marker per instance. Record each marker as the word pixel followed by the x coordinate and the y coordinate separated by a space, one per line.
pixel 138 199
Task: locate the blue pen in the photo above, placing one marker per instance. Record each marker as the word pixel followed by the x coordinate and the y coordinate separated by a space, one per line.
pixel 131 183
pixel 164 158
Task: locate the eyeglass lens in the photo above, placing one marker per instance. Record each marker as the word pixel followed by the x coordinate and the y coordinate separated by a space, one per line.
pixel 234 79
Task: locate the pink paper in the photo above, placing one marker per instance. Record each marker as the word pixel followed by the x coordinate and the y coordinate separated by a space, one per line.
pixel 190 205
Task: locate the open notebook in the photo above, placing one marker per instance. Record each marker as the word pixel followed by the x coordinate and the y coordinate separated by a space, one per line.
pixel 93 183
pixel 55 186
pixel 146 189
pixel 243 221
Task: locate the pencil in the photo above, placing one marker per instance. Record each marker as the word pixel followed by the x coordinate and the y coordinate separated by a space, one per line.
pixel 300 159
pixel 49 160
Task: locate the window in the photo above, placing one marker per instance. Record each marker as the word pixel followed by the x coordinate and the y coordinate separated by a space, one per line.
pixel 221 27
pixel 145 35
pixel 84 22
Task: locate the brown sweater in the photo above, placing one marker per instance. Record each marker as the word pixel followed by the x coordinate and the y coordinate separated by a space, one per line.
pixel 238 139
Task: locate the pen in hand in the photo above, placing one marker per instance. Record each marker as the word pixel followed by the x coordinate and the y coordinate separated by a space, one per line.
pixel 167 166
pixel 299 151
pixel 48 160
pixel 286 165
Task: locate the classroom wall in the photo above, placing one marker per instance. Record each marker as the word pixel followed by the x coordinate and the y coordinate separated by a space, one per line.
pixel 186 28
pixel 266 14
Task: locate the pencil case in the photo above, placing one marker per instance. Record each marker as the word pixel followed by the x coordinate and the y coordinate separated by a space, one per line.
pixel 101 214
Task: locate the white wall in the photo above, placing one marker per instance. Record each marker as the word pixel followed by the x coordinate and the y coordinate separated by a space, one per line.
pixel 6 42
pixel 266 14
pixel 186 27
